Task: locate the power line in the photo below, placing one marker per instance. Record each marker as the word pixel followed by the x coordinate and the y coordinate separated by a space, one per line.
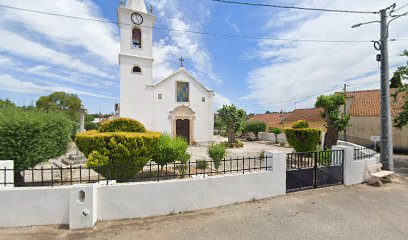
pixel 295 7
pixel 336 87
pixel 192 31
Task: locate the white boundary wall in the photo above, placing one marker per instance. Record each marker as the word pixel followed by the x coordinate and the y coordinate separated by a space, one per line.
pixel 60 205
pixel 355 171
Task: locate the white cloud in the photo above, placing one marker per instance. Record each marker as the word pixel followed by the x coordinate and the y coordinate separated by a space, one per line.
pixel 99 39
pixel 219 101
pixel 12 84
pixel 293 70
pixel 178 43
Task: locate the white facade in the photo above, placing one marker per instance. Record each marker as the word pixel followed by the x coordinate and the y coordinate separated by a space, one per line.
pixel 157 105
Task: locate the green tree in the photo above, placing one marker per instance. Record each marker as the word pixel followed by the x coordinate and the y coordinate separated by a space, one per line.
pixel 396 81
pixel 168 150
pixel 335 121
pixel 233 118
pixel 6 103
pixel 401 120
pixel 276 132
pixel 255 127
pixel 61 102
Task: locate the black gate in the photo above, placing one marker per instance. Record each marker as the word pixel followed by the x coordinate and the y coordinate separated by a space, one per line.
pixel 306 170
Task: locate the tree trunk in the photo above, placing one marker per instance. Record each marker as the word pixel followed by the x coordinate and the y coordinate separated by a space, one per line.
pixel 231 137
pixel 256 136
pixel 276 138
pixel 330 138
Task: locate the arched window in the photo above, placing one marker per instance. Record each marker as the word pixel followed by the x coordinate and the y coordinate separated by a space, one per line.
pixel 136 69
pixel 136 38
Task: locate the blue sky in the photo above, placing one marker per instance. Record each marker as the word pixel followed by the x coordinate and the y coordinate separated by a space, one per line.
pixel 41 53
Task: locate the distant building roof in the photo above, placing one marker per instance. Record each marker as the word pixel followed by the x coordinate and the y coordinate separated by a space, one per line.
pixel 307 114
pixel 368 103
pixel 269 118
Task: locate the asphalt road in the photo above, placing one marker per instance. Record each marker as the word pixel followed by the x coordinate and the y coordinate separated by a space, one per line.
pixel 357 212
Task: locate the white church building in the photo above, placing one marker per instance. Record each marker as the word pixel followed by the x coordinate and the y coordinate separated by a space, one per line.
pixel 179 104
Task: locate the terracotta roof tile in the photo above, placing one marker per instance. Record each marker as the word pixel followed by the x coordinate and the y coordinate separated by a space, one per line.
pixel 269 118
pixel 307 114
pixel 367 103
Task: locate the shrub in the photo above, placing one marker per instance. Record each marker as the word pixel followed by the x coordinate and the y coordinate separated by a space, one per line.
pixel 276 132
pixel 303 139
pixel 183 164
pixel 300 124
pixel 255 127
pixel 32 137
pixel 202 164
pixel 122 125
pixel 168 150
pixel 217 152
pixel 325 158
pixel 236 144
pixel 117 155
pixel 91 126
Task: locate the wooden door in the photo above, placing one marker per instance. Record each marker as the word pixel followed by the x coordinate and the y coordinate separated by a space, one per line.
pixel 183 129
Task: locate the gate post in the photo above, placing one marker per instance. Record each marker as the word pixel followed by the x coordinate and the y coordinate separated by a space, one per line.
pixel 348 157
pixel 277 162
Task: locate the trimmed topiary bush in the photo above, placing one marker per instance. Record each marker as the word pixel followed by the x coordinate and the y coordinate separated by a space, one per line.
pixel 117 155
pixel 276 132
pixel 32 137
pixel 300 124
pixel 122 125
pixel 217 152
pixel 303 139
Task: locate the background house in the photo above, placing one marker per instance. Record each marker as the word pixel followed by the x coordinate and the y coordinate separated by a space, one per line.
pixel 365 109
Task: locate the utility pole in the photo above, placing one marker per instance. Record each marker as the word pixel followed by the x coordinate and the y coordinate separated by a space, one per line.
pixel 345 110
pixel 382 45
pixel 386 127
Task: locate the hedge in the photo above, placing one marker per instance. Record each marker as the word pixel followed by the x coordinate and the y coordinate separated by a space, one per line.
pixel 303 139
pixel 122 125
pixel 32 137
pixel 117 155
pixel 300 124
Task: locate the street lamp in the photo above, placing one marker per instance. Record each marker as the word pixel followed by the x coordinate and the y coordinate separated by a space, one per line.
pixel 382 45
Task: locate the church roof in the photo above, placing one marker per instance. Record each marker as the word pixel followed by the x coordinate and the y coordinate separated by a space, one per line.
pixel 182 70
pixel 136 5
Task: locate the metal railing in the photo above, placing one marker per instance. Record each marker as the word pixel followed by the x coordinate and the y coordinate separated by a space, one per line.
pixel 300 160
pixel 57 176
pixel 363 153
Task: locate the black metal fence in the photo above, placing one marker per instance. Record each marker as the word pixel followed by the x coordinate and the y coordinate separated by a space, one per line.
pixel 299 160
pixel 363 153
pixel 57 176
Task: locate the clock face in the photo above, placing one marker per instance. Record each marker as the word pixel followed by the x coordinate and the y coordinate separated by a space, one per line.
pixel 137 18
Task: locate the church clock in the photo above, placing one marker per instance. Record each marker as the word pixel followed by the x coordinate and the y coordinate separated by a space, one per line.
pixel 137 18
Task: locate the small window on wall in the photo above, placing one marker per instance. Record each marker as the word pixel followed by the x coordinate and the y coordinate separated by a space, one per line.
pixel 136 38
pixel 203 99
pixel 160 96
pixel 183 92
pixel 136 69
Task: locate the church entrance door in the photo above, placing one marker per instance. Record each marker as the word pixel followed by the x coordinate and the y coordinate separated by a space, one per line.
pixel 183 129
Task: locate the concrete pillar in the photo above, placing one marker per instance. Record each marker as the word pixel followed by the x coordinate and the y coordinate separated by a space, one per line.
pixel 347 164
pixel 277 162
pixel 6 173
pixel 83 206
pixel 82 112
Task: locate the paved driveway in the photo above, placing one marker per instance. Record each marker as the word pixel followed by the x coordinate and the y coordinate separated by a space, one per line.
pixel 357 212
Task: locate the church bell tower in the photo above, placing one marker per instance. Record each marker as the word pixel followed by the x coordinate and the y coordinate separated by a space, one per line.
pixel 135 61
